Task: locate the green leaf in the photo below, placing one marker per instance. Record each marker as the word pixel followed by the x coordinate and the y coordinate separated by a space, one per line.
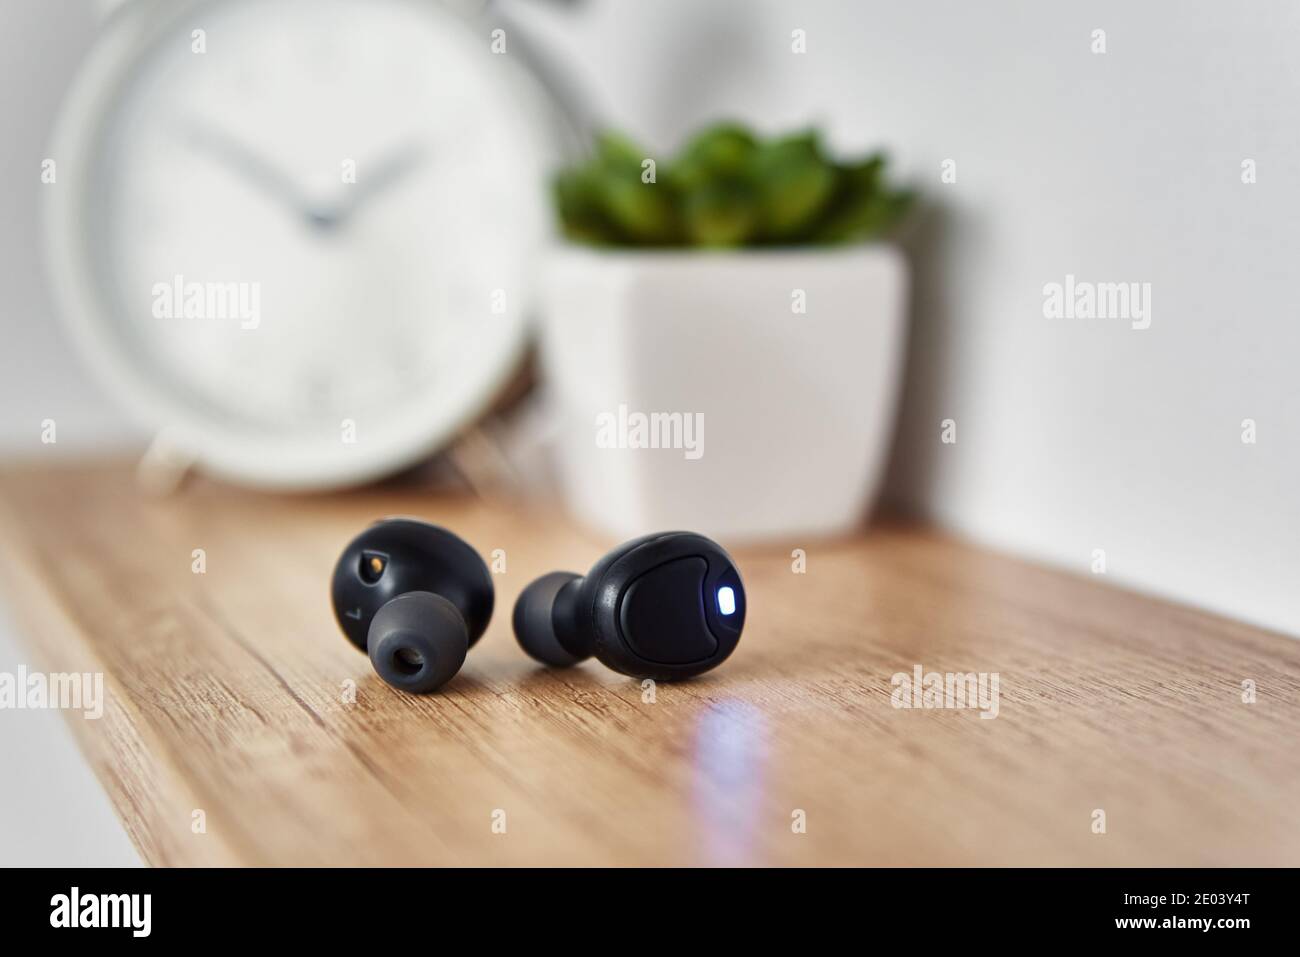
pixel 864 177
pixel 794 182
pixel 644 211
pixel 728 189
pixel 616 152
pixel 724 149
pixel 862 208
pixel 581 208
pixel 721 212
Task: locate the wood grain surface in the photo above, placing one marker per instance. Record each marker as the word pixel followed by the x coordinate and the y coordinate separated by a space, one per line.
pixel 228 694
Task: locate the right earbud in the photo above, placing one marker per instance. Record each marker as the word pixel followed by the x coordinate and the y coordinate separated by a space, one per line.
pixel 664 606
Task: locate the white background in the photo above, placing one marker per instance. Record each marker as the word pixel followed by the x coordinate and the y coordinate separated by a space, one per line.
pixel 1072 434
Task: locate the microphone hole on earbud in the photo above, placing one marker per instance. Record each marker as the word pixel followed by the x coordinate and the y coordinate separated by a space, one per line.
pixel 408 661
pixel 371 567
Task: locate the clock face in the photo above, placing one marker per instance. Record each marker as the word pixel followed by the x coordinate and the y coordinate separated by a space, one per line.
pixel 299 231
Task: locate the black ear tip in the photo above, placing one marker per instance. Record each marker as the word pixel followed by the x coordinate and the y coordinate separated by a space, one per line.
pixel 417 642
pixel 534 621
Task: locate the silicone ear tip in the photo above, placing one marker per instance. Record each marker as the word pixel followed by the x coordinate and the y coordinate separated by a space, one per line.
pixel 417 642
pixel 534 622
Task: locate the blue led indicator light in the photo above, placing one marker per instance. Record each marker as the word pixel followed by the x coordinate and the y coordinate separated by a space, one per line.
pixel 726 600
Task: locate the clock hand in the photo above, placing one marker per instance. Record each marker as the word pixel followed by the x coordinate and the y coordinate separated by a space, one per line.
pixel 251 167
pixel 395 167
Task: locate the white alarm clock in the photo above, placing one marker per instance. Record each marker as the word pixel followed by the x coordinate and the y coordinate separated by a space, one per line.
pixel 295 236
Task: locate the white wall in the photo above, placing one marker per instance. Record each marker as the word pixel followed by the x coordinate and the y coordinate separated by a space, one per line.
pixel 1072 435
pixel 41 43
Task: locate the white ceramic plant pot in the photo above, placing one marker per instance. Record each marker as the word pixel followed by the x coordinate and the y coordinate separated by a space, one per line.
pixel 789 360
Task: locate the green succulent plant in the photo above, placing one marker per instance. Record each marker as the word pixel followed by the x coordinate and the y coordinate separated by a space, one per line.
pixel 726 187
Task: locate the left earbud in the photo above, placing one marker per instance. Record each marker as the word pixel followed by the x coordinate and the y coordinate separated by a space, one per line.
pixel 415 597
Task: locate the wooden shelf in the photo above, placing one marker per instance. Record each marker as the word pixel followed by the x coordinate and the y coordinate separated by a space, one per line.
pixel 227 695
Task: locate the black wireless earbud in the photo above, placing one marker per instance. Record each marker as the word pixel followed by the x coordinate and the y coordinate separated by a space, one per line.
pixel 415 597
pixel 665 606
